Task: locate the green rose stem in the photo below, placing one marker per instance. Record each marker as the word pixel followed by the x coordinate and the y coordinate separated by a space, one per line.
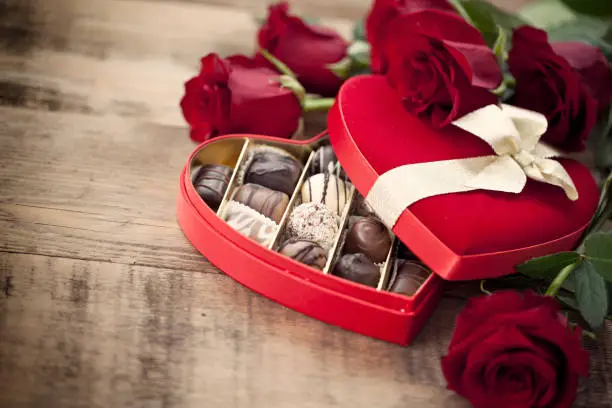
pixel 556 284
pixel 318 104
pixel 278 64
pixel 461 10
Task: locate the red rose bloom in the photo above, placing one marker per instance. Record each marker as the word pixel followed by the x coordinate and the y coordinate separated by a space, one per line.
pixel 381 14
pixel 592 68
pixel 235 95
pixel 307 50
pixel 440 65
pixel 546 83
pixel 515 351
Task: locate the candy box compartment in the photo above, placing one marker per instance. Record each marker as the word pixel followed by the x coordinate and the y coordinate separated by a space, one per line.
pixel 370 311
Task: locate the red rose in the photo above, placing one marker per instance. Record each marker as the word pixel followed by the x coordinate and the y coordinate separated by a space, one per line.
pixel 515 351
pixel 307 50
pixel 546 83
pixel 235 95
pixel 440 65
pixel 592 68
pixel 381 14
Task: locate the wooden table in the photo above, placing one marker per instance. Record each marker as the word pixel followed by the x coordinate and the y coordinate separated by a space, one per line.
pixel 104 303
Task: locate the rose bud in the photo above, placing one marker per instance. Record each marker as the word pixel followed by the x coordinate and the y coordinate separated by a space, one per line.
pixel 546 83
pixel 238 95
pixel 381 14
pixel 592 68
pixel 515 351
pixel 308 50
pixel 440 65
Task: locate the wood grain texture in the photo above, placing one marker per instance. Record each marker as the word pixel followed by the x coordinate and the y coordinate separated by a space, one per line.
pixel 104 302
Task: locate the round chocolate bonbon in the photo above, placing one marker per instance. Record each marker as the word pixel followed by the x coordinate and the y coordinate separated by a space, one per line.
pixel 313 222
pixel 211 181
pixel 268 202
pixel 306 252
pixel 409 277
pixel 369 236
pixel 270 168
pixel 357 268
pixel 327 189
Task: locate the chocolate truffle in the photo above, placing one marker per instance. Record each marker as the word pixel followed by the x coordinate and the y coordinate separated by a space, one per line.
pixel 325 161
pixel 409 277
pixel 268 202
pixel 327 189
pixel 369 236
pixel 211 181
pixel 313 222
pixel 358 268
pixel 306 252
pixel 250 223
pixel 274 170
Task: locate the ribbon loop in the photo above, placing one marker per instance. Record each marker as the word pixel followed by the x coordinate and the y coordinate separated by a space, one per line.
pixel 513 134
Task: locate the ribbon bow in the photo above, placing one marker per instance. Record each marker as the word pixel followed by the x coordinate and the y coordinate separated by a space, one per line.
pixel 513 134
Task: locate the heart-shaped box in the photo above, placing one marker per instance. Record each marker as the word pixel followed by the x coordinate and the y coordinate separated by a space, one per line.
pixel 472 235
pixel 373 312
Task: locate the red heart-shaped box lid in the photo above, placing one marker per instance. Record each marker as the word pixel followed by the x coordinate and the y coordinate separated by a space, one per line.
pixel 471 235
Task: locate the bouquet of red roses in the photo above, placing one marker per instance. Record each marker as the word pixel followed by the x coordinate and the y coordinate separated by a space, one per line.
pixel 445 59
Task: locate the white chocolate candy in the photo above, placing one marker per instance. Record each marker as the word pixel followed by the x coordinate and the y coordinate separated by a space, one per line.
pixel 313 222
pixel 328 189
pixel 250 223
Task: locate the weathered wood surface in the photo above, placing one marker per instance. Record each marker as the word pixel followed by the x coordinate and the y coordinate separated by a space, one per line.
pixel 103 302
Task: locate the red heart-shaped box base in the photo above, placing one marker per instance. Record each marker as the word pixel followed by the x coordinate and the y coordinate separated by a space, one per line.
pixel 379 314
pixel 473 235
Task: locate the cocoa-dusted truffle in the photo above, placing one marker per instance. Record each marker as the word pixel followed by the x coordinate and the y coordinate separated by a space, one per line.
pixel 369 236
pixel 306 252
pixel 358 268
pixel 211 181
pixel 409 277
pixel 268 202
pixel 272 169
pixel 313 222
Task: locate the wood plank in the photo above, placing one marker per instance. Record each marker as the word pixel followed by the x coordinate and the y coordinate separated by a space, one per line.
pixel 89 334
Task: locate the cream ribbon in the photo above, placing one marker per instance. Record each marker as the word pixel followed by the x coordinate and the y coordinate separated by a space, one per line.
pixel 514 135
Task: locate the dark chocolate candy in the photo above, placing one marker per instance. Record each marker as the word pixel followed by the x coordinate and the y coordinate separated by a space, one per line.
pixel 358 268
pixel 409 277
pixel 306 252
pixel 268 202
pixel 325 161
pixel 273 170
pixel 369 236
pixel 211 181
pixel 404 253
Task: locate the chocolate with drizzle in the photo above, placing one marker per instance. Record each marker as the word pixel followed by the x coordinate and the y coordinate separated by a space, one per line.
pixel 211 181
pixel 274 170
pixel 268 202
pixel 306 252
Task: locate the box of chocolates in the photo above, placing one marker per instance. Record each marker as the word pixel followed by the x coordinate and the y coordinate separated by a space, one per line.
pixel 284 219
pixel 359 226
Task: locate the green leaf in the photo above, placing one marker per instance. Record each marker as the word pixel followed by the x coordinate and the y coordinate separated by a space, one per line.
pixel 487 18
pixel 356 62
pixel 568 301
pixel 584 29
pixel 546 13
pixel 591 294
pixel 599 8
pixel 359 33
pixel 604 208
pixel 548 267
pixel 598 251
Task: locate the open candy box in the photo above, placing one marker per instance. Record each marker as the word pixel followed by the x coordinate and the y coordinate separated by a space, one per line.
pixel 289 220
pixel 283 218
